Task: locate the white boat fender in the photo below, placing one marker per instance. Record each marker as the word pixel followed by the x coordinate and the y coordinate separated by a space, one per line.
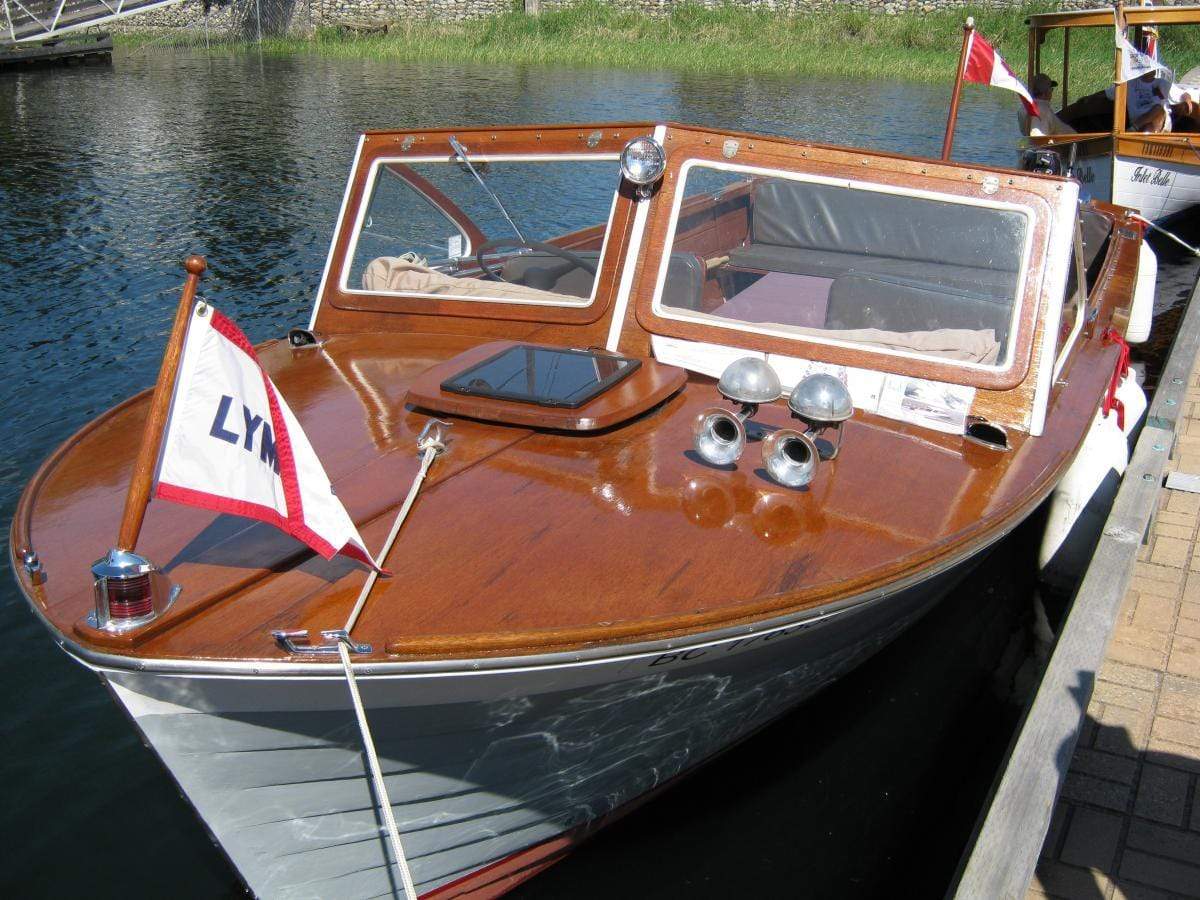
pixel 1141 309
pixel 1079 505
pixel 1133 401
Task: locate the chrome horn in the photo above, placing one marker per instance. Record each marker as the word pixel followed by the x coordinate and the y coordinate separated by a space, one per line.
pixel 719 434
pixel 790 457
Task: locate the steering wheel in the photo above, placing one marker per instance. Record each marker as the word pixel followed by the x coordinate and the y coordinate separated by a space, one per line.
pixel 575 260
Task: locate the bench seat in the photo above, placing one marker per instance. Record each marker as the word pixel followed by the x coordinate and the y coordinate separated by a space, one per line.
pixel 832 263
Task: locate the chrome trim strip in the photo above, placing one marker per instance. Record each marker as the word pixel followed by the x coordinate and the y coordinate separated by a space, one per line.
pixel 468 666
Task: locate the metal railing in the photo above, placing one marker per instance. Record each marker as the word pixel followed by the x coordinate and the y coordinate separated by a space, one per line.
pixel 38 20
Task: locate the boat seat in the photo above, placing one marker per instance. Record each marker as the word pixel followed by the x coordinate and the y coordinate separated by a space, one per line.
pixel 548 272
pixel 683 289
pixel 827 230
pixel 684 285
pixel 860 300
pixel 832 263
pixel 898 263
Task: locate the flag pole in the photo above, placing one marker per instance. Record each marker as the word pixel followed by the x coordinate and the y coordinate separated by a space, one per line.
pixel 952 118
pixel 160 402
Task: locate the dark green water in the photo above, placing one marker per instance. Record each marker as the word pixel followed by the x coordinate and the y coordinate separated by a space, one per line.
pixel 110 176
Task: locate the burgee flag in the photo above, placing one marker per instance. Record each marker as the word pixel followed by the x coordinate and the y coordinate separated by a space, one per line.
pixel 1135 63
pixel 985 66
pixel 232 445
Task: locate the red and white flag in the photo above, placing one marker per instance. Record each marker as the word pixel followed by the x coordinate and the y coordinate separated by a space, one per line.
pixel 232 445
pixel 985 66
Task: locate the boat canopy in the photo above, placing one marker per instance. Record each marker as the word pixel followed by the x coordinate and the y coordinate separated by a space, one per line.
pixel 1105 17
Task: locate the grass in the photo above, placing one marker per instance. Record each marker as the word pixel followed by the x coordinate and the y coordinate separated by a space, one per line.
pixel 842 43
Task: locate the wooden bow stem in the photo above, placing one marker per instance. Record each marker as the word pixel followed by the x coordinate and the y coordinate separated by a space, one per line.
pixel 142 477
pixel 952 118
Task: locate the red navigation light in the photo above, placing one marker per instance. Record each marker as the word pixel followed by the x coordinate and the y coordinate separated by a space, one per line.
pixel 129 590
pixel 129 598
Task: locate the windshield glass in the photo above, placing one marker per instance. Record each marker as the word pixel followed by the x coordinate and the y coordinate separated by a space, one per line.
pixel 840 262
pixel 533 232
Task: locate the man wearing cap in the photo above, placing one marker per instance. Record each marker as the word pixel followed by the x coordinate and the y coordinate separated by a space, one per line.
pixel 1046 121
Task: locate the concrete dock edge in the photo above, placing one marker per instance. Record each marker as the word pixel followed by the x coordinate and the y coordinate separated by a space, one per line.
pixel 1025 818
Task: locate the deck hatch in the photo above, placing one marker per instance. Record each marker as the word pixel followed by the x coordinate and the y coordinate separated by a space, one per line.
pixel 546 376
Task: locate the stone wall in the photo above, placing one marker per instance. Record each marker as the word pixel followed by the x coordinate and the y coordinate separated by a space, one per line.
pixel 274 17
pixel 248 17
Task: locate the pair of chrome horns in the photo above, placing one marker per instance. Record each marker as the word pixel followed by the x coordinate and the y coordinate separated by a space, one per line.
pixel 790 457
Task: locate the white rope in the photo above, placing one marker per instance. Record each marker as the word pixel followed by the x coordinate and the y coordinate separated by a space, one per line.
pixel 1182 243
pixel 381 794
pixel 430 444
pixel 431 447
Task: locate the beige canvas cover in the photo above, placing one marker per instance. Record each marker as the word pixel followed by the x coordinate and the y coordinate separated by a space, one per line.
pixel 397 275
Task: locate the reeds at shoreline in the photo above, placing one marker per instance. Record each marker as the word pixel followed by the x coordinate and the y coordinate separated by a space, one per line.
pixel 842 43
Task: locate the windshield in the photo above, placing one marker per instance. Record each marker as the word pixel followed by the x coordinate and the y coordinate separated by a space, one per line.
pixel 515 231
pixel 845 263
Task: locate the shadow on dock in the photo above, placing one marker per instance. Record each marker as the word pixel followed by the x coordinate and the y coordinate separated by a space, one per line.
pixel 1121 820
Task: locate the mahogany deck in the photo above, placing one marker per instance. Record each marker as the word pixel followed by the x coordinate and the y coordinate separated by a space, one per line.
pixel 528 540
pixel 490 557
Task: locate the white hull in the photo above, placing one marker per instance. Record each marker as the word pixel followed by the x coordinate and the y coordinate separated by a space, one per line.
pixel 479 764
pixel 1157 190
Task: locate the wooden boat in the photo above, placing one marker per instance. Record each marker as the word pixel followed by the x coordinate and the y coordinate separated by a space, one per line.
pixel 1157 173
pixel 583 605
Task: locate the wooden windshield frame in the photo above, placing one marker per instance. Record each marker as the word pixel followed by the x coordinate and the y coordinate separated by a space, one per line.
pixel 1050 201
pixel 601 141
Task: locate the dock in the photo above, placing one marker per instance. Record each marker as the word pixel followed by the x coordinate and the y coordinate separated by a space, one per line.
pixel 1100 796
pixel 95 48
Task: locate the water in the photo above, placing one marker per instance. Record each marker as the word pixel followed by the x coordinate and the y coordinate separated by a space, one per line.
pixel 109 177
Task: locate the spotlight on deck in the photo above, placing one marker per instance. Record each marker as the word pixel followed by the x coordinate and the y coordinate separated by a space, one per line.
pixel 822 402
pixel 642 163
pixel 719 435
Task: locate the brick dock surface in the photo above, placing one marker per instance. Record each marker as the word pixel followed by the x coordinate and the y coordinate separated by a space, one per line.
pixel 1127 824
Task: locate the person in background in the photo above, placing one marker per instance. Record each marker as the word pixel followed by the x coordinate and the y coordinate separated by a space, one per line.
pixel 1147 103
pixel 1046 122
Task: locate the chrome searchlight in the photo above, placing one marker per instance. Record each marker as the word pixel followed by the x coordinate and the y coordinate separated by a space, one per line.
pixel 822 402
pixel 642 163
pixel 719 434
pixel 750 381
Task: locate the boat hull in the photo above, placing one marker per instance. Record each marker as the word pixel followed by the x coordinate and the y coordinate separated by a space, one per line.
pixel 1157 188
pixel 481 765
